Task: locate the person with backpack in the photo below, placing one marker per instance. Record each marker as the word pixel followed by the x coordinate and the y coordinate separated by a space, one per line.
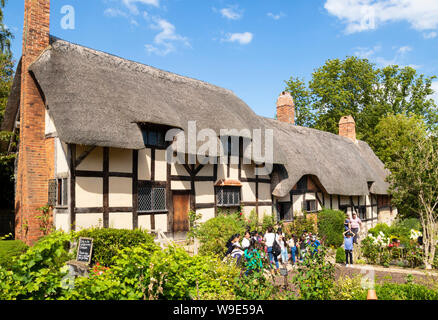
pixel 273 248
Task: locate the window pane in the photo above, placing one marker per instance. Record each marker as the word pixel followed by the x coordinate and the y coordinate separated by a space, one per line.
pixel 159 199
pixel 52 192
pixel 64 192
pixel 144 199
pixel 152 138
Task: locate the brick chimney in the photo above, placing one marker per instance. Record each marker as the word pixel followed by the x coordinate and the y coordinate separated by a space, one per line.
pixel 286 108
pixel 347 128
pixel 32 172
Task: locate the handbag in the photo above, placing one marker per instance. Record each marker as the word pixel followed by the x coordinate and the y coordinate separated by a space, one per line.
pixel 276 250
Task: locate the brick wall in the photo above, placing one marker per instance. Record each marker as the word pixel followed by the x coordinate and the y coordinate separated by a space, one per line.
pixel 286 108
pixel 32 173
pixel 347 127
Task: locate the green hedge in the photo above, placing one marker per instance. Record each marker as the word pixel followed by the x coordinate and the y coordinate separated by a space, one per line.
pixel 340 255
pixel 331 227
pixel 214 233
pixel 408 291
pixel 10 249
pixel 107 242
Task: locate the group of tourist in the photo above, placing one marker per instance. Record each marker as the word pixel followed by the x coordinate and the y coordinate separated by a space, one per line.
pixel 272 247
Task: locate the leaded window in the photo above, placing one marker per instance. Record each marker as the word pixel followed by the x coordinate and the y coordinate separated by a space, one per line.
pixel 151 199
pixel 228 196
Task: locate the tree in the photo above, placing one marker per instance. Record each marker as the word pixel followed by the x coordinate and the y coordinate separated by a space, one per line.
pixel 358 88
pixel 394 133
pixel 414 189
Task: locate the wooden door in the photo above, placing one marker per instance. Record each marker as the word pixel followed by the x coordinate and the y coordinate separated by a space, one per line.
pixel 181 208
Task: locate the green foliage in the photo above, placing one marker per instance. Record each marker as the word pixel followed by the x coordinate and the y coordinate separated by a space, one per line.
pixel 394 133
pixel 254 286
pixel 107 242
pixel 315 277
pixel 331 227
pixel 356 87
pixel 414 189
pixel 299 224
pixel 10 249
pixel 193 224
pixel 252 221
pixel 37 274
pixel 408 291
pixel 214 233
pixel 268 221
pixel 348 288
pixel 380 227
pixel 189 277
pixel 340 255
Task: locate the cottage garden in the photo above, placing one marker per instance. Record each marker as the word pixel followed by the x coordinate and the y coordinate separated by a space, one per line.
pixel 128 264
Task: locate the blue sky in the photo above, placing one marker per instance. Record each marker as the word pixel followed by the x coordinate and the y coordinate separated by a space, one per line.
pixel 249 47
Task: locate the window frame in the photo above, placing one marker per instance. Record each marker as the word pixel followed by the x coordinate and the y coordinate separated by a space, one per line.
pixel 236 190
pixel 153 189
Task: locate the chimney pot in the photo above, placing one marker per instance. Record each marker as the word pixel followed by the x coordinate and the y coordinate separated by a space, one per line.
pixel 286 108
pixel 347 128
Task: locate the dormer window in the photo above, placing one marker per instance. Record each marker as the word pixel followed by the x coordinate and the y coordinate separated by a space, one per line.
pixel 154 136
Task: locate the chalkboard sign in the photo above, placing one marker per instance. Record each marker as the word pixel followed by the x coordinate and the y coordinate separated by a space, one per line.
pixel 85 249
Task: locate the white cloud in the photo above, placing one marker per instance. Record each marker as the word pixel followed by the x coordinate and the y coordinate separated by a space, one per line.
pixel 372 55
pixel 132 4
pixel 112 13
pixel 232 13
pixel 166 40
pixel 362 15
pixel 276 16
pixel 242 38
pixel 430 35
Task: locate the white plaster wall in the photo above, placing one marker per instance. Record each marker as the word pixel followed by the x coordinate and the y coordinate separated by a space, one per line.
pixel 61 165
pixel 120 160
pixel 264 211
pixel 204 192
pixel 345 200
pixel 93 162
pixel 89 220
pixel 160 165
pixel 297 201
pixel 144 164
pixel 265 192
pixel 179 170
pixel 120 220
pixel 49 125
pixel 144 222
pixel 62 222
pixel 221 171
pixel 206 214
pixel 310 196
pixel 120 192
pixel 234 172
pixel 247 171
pixel 248 191
pixel 89 192
pixel 161 222
pixel 335 202
pixel 180 185
pixel 206 171
pixel 247 210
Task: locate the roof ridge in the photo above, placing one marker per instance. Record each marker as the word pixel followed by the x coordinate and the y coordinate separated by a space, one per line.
pixel 141 67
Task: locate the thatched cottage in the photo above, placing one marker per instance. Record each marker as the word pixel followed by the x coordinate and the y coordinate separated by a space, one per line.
pixel 92 129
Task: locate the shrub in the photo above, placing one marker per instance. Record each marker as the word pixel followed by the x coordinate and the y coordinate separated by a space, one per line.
pixel 10 249
pixel 340 255
pixel 214 233
pixel 408 291
pixel 107 242
pixel 299 224
pixel 268 221
pixel 315 277
pixel 252 222
pixel 38 273
pixel 331 227
pixel 380 227
pixel 254 286
pixel 346 288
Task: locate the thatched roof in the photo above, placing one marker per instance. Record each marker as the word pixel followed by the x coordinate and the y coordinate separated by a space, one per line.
pixel 342 166
pixel 13 102
pixel 98 99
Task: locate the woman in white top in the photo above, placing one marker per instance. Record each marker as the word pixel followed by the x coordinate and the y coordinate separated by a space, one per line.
pixel 245 241
pixel 269 239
